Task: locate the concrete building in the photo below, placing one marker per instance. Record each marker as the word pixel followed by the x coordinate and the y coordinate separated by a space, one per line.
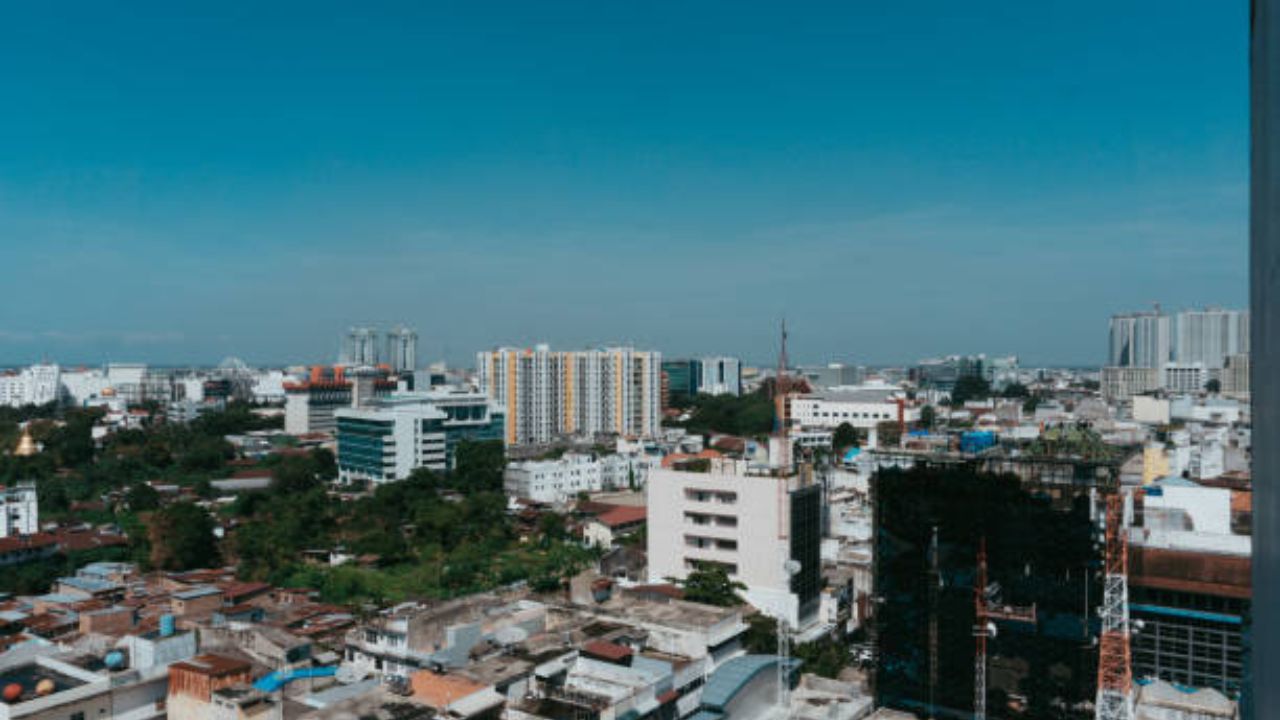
pixel 1235 375
pixel 1121 383
pixel 73 691
pixel 360 347
pixel 560 480
pixel 1142 339
pixel 402 349
pixel 1209 336
pixel 310 404
pixel 34 385
pixel 547 395
pixel 863 407
pixel 19 510
pixel 392 436
pixel 1184 377
pixel 751 521
pixel 720 376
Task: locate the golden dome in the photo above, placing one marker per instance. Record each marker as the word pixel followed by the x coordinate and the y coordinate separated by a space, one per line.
pixel 26 446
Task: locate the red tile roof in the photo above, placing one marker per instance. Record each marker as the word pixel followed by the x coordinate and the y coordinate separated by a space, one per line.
pixel 624 515
pixel 612 652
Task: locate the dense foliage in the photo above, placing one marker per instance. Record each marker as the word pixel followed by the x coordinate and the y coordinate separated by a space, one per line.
pixel 429 535
pixel 749 415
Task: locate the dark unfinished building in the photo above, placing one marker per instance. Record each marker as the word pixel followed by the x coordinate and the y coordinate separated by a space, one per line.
pixel 1037 520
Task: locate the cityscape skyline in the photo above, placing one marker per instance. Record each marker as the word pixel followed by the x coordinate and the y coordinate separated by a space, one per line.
pixel 483 184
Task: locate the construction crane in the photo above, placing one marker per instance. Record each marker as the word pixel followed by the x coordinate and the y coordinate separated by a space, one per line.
pixel 988 608
pixel 935 588
pixel 983 629
pixel 1115 669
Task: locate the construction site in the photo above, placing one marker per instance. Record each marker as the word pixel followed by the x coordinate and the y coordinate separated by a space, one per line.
pixel 997 590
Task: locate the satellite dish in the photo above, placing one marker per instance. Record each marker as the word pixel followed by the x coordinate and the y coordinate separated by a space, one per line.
pixel 351 674
pixel 791 567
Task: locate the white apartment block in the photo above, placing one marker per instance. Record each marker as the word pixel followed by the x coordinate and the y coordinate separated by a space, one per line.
pixel 747 520
pixel 548 394
pixel 34 385
pixel 1208 336
pixel 863 407
pixel 553 481
pixel 19 511
pixel 720 376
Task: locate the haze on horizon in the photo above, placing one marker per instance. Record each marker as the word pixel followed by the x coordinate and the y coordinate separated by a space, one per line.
pixel 181 185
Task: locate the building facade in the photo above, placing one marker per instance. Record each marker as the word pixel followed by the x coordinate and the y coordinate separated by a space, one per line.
pixel 863 408
pixel 720 376
pixel 547 395
pixel 1143 339
pixel 402 349
pixel 34 385
pixel 1209 336
pixel 552 481
pixel 1120 383
pixel 19 510
pixel 388 439
pixel 749 521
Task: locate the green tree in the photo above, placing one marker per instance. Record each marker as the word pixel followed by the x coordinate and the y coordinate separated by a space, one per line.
pixel 1213 387
pixel 845 436
pixel 181 537
pixel 294 475
pixel 710 584
pixel 142 497
pixel 1015 390
pixel 928 416
pixel 970 387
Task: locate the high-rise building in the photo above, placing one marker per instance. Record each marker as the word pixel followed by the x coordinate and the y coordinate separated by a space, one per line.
pixel 1209 336
pixel 720 376
pixel 546 394
pixel 360 347
pixel 756 523
pixel 402 349
pixel 1143 339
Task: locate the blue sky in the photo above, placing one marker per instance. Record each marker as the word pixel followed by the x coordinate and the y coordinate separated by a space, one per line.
pixel 900 180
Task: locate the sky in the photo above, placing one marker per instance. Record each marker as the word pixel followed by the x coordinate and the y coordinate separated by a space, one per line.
pixel 181 182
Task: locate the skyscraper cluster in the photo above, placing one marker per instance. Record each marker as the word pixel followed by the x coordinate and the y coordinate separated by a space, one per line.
pixel 1152 339
pixel 369 346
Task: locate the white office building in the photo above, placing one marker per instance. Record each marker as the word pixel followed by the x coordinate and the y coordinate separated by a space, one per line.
pixel 550 394
pixel 720 376
pixel 19 511
pixel 34 385
pixel 864 407
pixel 556 481
pixel 1184 377
pixel 402 349
pixel 749 520
pixel 1209 336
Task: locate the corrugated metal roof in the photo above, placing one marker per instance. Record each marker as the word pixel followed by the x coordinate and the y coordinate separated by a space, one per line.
pixel 729 679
